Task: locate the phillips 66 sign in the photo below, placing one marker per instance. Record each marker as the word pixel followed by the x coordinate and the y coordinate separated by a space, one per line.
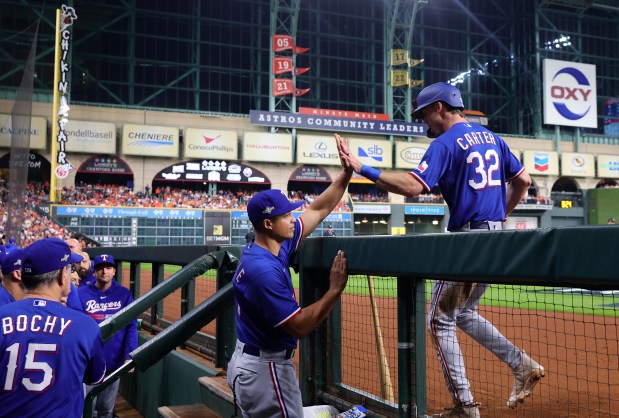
pixel 570 97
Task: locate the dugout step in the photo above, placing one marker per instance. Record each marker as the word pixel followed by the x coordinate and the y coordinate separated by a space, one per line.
pixel 215 392
pixel 197 410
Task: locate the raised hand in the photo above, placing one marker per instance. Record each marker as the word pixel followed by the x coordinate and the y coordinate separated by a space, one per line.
pixel 339 272
pixel 349 161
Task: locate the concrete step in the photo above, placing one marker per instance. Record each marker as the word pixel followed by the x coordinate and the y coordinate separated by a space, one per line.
pixel 197 410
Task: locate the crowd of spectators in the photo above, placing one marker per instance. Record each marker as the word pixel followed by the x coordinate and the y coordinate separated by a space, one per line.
pixel 34 224
pixel 166 197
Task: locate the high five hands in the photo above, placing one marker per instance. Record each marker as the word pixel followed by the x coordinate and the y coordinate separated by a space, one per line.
pixel 348 160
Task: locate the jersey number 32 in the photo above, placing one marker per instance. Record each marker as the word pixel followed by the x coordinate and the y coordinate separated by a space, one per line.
pixel 486 169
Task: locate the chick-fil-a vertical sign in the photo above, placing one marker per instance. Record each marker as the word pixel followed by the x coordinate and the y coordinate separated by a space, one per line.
pixel 67 17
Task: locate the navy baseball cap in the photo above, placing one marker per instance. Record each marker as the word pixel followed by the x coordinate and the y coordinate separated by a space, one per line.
pixel 438 92
pixel 269 203
pixel 46 255
pixel 103 259
pixel 12 261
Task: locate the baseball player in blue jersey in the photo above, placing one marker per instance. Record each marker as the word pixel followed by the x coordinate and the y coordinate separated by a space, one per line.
pixel 12 288
pixel 269 319
pixel 482 182
pixel 101 300
pixel 46 349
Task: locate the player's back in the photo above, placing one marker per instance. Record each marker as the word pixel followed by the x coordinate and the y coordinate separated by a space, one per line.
pixel 474 185
pixel 47 350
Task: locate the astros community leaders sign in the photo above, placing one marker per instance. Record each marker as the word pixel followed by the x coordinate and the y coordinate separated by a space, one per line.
pixel 325 123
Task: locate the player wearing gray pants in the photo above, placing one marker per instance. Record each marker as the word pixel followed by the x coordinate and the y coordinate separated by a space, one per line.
pixel 265 397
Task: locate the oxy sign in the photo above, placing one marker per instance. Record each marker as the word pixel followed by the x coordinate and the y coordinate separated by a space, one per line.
pixel 570 94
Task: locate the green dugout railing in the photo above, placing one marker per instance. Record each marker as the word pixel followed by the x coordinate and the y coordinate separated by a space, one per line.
pixel 559 257
pixel 178 333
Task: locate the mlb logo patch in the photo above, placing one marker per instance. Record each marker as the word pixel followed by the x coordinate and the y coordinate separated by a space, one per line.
pixel 541 161
pixel 39 302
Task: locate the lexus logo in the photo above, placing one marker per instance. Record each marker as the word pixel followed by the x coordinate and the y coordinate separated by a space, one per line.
pixel 320 146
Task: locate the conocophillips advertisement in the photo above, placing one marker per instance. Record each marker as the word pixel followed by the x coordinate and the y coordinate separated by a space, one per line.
pixel 38 131
pixel 409 154
pixel 314 149
pixel 608 166
pixel 91 137
pixel 542 163
pixel 577 165
pixel 211 144
pixel 150 141
pixel 268 147
pixel 375 153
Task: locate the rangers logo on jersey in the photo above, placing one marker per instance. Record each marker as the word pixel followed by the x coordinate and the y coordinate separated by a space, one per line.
pixel 423 166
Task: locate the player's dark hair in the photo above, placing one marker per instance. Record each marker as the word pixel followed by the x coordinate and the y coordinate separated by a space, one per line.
pixel 33 281
pixel 454 110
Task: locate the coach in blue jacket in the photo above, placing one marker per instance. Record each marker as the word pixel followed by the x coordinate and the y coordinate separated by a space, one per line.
pixel 101 300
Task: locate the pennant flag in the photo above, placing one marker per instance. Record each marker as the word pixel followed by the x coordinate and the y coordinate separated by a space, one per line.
pixel 299 50
pixel 415 83
pixel 399 56
pixel 282 65
pixel 414 62
pixel 282 43
pixel 299 71
pixel 282 86
pixel 399 78
pixel 300 92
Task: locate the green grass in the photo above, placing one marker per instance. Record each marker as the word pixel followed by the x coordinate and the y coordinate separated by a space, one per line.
pixel 534 298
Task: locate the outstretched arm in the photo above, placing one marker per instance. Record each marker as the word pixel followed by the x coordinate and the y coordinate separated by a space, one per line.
pixel 400 183
pixel 327 200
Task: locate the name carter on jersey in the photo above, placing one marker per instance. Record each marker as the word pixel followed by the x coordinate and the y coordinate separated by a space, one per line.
pixel 476 138
pixel 36 323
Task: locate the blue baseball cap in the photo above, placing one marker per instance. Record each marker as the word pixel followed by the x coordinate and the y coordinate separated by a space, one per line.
pixel 12 261
pixel 438 92
pixel 103 259
pixel 269 203
pixel 46 255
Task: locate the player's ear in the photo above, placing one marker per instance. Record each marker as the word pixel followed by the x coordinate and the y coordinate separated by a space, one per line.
pixel 268 224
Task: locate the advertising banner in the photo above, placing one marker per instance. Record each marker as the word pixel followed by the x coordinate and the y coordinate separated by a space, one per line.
pixel 216 227
pixel 541 163
pixel 372 209
pixel 608 166
pixel 150 141
pixel 375 153
pixel 336 124
pixel 105 164
pixel 570 94
pixel 408 154
pixel 38 131
pixel 212 171
pixel 211 144
pixel 91 137
pixel 268 147
pixel 577 165
pixel 310 173
pixel 314 149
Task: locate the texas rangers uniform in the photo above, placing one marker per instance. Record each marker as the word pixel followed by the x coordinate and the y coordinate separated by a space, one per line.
pixel 46 351
pixel 472 166
pixel 261 372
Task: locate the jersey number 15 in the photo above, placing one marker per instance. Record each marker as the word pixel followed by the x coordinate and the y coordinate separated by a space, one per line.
pixel 30 365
